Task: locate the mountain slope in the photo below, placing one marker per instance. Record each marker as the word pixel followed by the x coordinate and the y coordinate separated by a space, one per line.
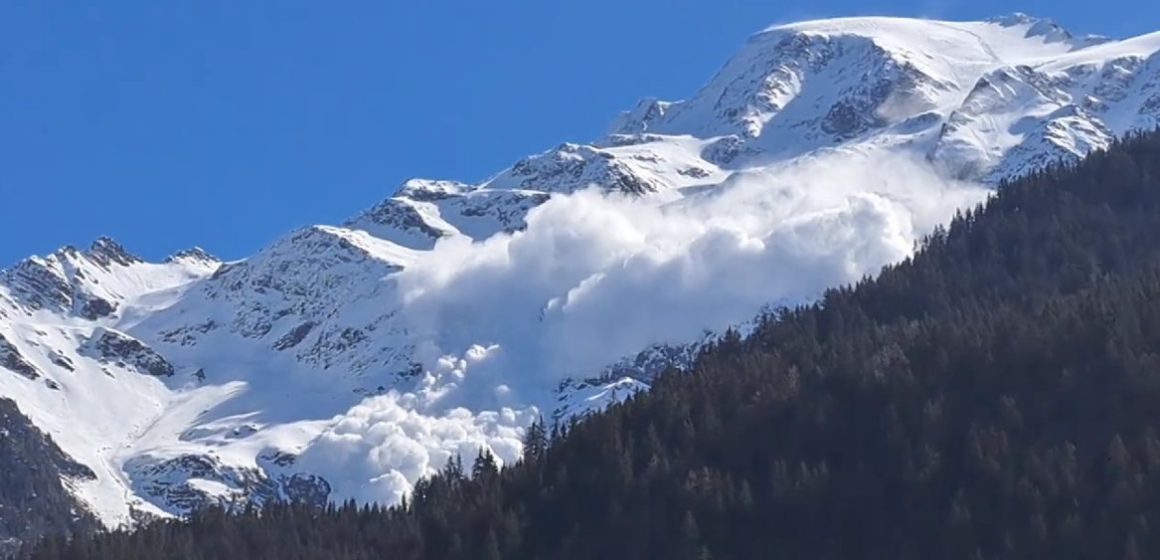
pixel 351 361
pixel 994 396
pixel 34 496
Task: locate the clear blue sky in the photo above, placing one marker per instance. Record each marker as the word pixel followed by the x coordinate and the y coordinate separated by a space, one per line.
pixel 225 123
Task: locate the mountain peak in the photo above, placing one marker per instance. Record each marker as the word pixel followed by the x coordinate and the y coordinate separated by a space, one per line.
pixel 637 120
pixel 1046 28
pixel 193 254
pixel 904 31
pixel 430 189
pixel 105 251
pixel 1016 18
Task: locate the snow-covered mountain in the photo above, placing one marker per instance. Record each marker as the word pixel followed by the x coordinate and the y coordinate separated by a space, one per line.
pixel 348 361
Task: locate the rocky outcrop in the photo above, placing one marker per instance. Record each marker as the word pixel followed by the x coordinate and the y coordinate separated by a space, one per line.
pixel 12 360
pixel 107 252
pixel 190 482
pixel 113 347
pixel 572 167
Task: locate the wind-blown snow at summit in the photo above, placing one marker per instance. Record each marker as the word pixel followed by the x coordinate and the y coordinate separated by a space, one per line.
pixel 349 361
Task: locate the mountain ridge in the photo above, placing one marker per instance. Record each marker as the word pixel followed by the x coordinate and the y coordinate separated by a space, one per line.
pixel 195 382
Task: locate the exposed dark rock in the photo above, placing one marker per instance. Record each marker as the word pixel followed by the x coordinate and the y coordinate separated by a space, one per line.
pixel 187 336
pixel 622 179
pixel 95 308
pixel 59 281
pixel 170 483
pixel 509 208
pixel 294 337
pixel 34 501
pixel 431 191
pixel 305 488
pixel 105 252
pixel 572 167
pixel 694 172
pixel 11 359
pixel 331 344
pixel 848 118
pixel 173 483
pixel 38 284
pixel 196 254
pixel 726 149
pixel 110 346
pixel 857 113
pixel 62 361
pixel 400 214
pixel 279 458
pixel 632 139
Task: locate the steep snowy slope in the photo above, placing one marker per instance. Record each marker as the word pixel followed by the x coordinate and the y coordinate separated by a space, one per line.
pixel 350 361
pixel 981 100
pixel 90 386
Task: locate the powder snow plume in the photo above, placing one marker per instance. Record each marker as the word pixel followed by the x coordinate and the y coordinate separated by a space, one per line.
pixel 595 277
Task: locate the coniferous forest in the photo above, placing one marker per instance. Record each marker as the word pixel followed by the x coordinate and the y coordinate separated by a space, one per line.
pixel 995 396
pixel 32 499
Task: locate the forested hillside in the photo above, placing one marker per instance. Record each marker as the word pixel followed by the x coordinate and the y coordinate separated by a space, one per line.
pixel 996 396
pixel 33 499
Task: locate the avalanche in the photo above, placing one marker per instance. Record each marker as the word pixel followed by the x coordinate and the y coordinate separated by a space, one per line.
pixel 347 362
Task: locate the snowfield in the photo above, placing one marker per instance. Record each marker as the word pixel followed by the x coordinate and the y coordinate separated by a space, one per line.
pixel 349 361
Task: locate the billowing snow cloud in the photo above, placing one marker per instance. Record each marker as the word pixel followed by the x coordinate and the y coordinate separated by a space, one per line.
pixel 380 448
pixel 595 278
